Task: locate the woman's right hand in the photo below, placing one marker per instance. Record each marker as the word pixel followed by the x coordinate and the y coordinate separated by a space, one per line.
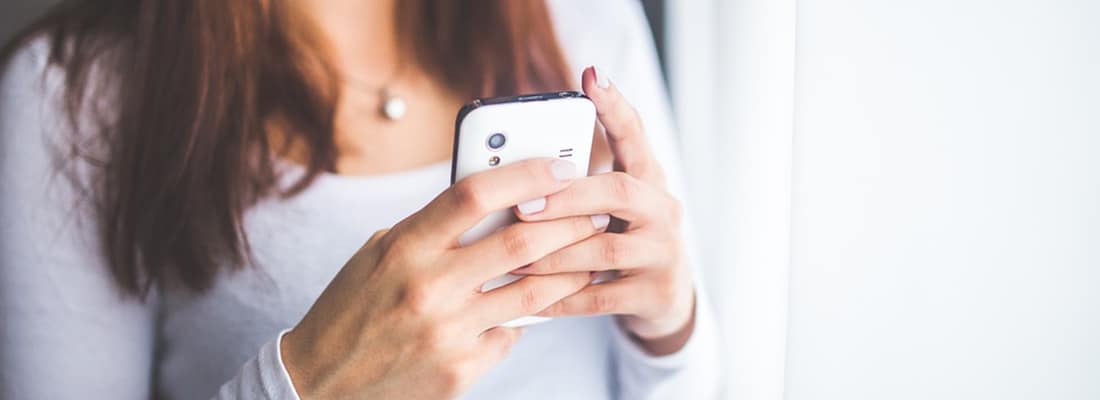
pixel 405 317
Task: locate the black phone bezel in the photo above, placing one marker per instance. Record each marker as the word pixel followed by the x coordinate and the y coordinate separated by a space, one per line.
pixel 523 98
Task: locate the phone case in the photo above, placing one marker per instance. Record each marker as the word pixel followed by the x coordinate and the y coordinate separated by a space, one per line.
pixel 558 124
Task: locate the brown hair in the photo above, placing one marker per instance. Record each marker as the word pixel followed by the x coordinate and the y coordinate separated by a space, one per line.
pixel 192 84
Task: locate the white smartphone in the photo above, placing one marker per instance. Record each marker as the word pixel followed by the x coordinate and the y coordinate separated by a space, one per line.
pixel 490 133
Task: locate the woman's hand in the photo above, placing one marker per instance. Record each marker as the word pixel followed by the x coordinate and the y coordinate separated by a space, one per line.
pixel 654 293
pixel 405 317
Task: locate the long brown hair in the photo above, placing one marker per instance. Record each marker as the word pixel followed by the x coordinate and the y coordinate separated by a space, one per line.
pixel 192 83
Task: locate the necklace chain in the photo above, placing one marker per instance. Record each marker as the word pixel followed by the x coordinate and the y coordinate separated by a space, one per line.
pixel 391 106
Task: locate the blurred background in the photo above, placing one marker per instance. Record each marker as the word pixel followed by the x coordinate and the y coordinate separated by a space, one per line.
pixel 15 14
pixel 896 200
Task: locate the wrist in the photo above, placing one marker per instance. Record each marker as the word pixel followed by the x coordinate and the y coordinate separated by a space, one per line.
pixel 662 337
pixel 293 360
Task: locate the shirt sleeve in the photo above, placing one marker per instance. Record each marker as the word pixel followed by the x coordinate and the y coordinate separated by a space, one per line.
pixel 263 377
pixel 66 330
pixel 691 373
pixel 694 371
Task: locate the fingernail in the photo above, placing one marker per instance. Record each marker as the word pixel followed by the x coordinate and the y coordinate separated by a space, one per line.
pixel 532 206
pixel 602 80
pixel 521 270
pixel 600 221
pixel 563 170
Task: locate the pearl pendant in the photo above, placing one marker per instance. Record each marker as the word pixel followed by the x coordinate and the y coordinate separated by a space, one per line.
pixel 393 107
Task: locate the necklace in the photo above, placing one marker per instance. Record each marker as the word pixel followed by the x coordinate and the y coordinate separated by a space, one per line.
pixel 390 105
pixel 393 106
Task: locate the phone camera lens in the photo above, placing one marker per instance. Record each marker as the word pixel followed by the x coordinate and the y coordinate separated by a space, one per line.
pixel 496 141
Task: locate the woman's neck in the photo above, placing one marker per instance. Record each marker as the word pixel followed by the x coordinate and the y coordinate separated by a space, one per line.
pixel 361 36
pixel 359 41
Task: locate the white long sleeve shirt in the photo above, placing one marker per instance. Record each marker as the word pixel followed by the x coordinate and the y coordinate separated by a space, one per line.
pixel 67 333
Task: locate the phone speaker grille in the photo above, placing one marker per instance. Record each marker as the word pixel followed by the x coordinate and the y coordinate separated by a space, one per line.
pixel 565 153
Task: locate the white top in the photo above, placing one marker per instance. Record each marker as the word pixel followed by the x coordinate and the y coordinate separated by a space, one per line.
pixel 67 333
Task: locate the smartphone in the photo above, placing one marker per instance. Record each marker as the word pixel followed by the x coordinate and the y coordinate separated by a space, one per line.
pixel 491 133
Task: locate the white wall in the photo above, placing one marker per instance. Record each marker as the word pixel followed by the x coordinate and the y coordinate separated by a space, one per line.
pixel 731 70
pixel 946 209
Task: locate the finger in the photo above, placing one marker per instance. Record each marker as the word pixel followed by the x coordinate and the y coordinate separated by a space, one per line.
pixel 497 341
pixel 466 202
pixel 625 132
pixel 521 244
pixel 616 193
pixel 604 252
pixel 616 297
pixel 494 344
pixel 525 297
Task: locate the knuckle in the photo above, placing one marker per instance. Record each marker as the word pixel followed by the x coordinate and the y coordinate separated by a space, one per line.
pixel 378 235
pixel 416 303
pixel 418 297
pixel 637 165
pixel 623 186
pixel 469 196
pixel 571 194
pixel 536 170
pixel 553 310
pixel 502 343
pixel 397 250
pixel 530 299
pixel 549 264
pixel 517 243
pixel 602 303
pixel 435 338
pixel 395 259
pixel 613 250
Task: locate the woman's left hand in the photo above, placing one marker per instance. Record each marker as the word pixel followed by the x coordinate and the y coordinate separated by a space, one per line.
pixel 653 295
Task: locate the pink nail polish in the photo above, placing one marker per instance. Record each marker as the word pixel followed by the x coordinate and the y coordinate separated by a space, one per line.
pixel 600 221
pixel 532 206
pixel 602 80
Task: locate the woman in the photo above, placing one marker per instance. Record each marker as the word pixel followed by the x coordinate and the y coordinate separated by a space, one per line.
pixel 205 198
